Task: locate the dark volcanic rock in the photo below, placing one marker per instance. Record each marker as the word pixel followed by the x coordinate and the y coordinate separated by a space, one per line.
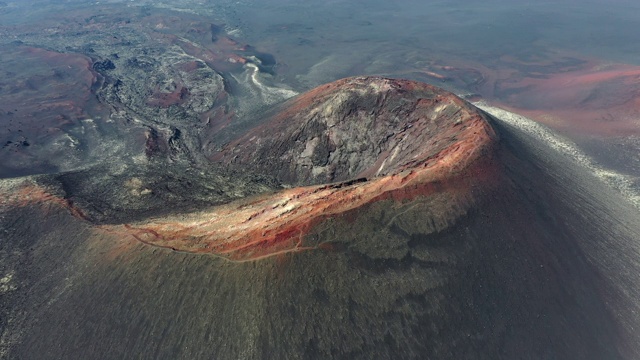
pixel 470 241
pixel 102 66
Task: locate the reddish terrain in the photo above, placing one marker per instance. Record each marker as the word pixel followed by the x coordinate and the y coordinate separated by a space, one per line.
pixel 38 109
pixel 567 92
pixel 600 100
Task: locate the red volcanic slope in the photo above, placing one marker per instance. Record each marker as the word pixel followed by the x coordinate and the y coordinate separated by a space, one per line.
pixel 44 93
pixel 439 145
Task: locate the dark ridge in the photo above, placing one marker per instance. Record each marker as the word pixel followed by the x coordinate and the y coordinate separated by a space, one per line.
pixel 156 190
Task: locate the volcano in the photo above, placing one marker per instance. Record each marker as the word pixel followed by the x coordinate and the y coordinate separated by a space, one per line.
pixel 367 218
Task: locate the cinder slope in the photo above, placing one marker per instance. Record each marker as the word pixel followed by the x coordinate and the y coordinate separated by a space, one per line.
pixel 507 252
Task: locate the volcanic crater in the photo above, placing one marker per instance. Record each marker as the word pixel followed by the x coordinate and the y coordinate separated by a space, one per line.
pixel 335 149
pixel 367 218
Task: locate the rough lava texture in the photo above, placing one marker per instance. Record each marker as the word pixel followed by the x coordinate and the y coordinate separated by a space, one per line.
pixel 370 138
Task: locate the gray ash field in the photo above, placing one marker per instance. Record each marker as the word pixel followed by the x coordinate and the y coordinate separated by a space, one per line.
pixel 168 190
